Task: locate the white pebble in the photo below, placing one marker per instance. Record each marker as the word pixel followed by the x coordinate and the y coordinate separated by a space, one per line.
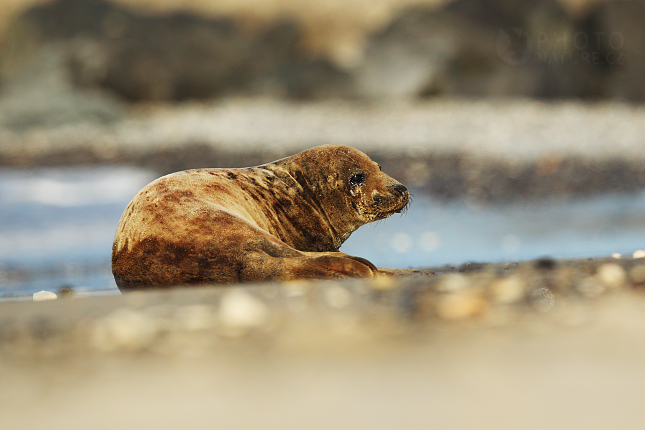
pixel 125 329
pixel 616 255
pixel 195 317
pixel 240 311
pixel 44 295
pixel 591 287
pixel 639 254
pixel 460 305
pixel 612 275
pixel 452 282
pixel 508 290
pixel 542 299
pixel 337 297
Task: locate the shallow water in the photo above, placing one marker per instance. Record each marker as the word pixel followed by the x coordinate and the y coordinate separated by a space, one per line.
pixel 57 226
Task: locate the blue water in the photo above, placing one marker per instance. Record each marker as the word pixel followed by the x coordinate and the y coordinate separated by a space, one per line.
pixel 437 233
pixel 57 226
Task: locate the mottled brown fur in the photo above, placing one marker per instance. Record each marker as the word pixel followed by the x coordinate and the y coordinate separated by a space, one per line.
pixel 280 221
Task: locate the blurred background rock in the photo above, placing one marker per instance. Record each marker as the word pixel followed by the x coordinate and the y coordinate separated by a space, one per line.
pixel 150 50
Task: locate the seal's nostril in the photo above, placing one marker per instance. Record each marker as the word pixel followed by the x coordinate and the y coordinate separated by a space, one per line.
pixel 398 189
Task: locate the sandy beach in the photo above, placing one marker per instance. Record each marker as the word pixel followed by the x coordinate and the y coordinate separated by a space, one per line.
pixel 531 345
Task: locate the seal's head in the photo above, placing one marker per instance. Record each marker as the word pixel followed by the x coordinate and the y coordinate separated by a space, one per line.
pixel 349 187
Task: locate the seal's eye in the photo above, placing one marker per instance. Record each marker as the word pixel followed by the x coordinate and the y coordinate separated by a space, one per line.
pixel 357 179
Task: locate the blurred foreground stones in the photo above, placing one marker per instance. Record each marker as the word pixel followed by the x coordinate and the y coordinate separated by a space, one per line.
pixel 167 321
pixel 419 349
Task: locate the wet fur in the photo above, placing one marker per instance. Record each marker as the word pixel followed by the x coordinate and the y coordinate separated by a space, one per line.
pixel 280 221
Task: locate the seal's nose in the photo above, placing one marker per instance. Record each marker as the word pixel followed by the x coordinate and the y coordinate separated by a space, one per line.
pixel 398 189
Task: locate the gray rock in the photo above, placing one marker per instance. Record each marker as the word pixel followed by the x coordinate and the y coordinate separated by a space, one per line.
pixel 620 43
pixel 477 48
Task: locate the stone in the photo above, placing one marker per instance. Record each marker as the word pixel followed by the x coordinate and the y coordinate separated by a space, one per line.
pixel 542 299
pixel 612 275
pixel 637 274
pixel 508 290
pixel 639 254
pixel 125 329
pixel 195 317
pixel 43 295
pixel 453 282
pixel 337 297
pixel 591 286
pixel 460 305
pixel 240 312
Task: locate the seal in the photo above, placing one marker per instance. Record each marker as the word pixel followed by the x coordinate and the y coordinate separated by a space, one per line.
pixel 279 221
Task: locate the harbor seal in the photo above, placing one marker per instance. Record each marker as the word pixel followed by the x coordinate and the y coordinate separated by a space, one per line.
pixel 283 220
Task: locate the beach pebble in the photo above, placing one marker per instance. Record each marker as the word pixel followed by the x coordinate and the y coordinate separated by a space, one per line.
pixel 612 275
pixel 383 282
pixel 453 282
pixel 295 293
pixel 125 329
pixel 44 295
pixel 508 290
pixel 637 274
pixel 542 299
pixel 195 317
pixel 616 255
pixel 240 312
pixel 337 297
pixel 591 286
pixel 460 305
pixel 639 254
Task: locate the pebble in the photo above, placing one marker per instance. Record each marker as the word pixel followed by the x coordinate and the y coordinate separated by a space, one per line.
pixel 296 296
pixel 43 295
pixel 337 297
pixel 383 282
pixel 66 292
pixel 125 329
pixel 508 290
pixel 453 282
pixel 637 274
pixel 639 254
pixel 460 305
pixel 240 312
pixel 195 317
pixel 542 299
pixel 612 275
pixel 591 286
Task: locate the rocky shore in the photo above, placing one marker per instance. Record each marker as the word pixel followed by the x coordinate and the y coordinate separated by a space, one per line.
pixel 489 150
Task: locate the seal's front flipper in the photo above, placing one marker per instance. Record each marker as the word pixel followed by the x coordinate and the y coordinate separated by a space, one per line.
pixel 305 265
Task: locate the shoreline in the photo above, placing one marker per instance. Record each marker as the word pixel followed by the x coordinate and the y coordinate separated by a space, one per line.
pixel 492 150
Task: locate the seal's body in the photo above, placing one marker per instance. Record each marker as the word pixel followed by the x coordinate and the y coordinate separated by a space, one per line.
pixel 280 221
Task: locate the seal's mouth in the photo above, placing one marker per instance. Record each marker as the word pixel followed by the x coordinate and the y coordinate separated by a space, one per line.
pixel 396 202
pixel 402 209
